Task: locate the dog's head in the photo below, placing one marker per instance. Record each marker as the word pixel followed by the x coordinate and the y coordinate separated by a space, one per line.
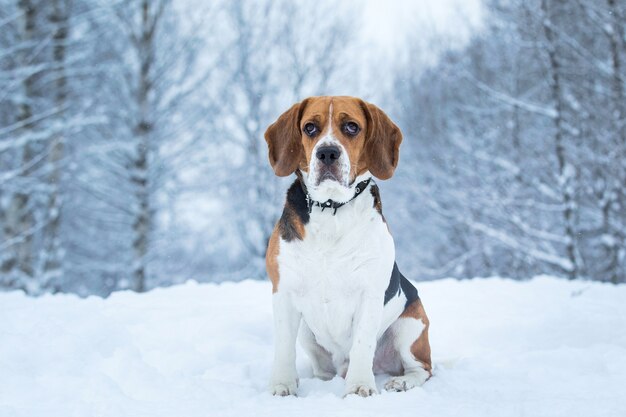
pixel 333 140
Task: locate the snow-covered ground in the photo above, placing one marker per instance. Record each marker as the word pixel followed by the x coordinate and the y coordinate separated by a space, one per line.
pixel 546 347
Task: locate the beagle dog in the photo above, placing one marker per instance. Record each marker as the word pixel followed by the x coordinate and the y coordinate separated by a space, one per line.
pixel 331 258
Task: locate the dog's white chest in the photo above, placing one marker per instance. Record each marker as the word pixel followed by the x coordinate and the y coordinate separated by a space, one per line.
pixel 342 260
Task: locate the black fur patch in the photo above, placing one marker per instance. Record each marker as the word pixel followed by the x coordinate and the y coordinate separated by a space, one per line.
pixel 378 205
pixel 398 284
pixel 409 291
pixel 295 211
pixel 394 284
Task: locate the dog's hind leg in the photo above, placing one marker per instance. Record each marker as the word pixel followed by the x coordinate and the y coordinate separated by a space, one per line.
pixel 410 339
pixel 321 360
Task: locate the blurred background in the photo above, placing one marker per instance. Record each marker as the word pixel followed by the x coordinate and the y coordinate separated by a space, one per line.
pixel 132 152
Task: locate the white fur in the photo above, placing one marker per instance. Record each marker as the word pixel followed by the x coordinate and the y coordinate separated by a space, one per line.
pixel 335 279
pixel 404 333
pixel 321 359
pixel 284 379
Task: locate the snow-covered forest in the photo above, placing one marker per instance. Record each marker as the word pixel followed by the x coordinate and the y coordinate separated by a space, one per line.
pixel 132 152
pixel 517 145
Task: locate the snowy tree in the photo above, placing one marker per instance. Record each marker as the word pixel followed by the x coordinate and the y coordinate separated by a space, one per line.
pixel 517 161
pixel 31 142
pixel 96 121
pixel 154 97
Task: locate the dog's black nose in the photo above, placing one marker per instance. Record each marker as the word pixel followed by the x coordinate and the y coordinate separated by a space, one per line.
pixel 328 154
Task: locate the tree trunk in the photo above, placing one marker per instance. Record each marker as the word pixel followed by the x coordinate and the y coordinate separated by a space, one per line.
pixel 617 199
pixel 566 174
pixel 52 256
pixel 20 222
pixel 143 130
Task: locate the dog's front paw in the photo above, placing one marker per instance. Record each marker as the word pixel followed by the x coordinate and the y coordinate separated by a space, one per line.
pixel 362 390
pixel 283 389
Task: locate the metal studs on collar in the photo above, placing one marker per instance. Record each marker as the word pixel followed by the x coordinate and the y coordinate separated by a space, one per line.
pixel 330 203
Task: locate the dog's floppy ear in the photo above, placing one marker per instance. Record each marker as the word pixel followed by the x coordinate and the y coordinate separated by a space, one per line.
pixel 283 139
pixel 382 142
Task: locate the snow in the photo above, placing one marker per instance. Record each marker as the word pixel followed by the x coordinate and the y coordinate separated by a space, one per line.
pixel 544 347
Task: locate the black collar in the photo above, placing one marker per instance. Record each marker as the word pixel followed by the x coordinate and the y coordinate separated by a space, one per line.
pixel 310 203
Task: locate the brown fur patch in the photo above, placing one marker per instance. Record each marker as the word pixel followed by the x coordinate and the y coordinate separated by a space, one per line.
pixel 283 141
pixel 382 143
pixel 378 205
pixel 421 347
pixel 290 225
pixel 271 259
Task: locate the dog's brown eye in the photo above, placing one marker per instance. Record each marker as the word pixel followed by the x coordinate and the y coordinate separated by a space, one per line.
pixel 351 129
pixel 310 129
